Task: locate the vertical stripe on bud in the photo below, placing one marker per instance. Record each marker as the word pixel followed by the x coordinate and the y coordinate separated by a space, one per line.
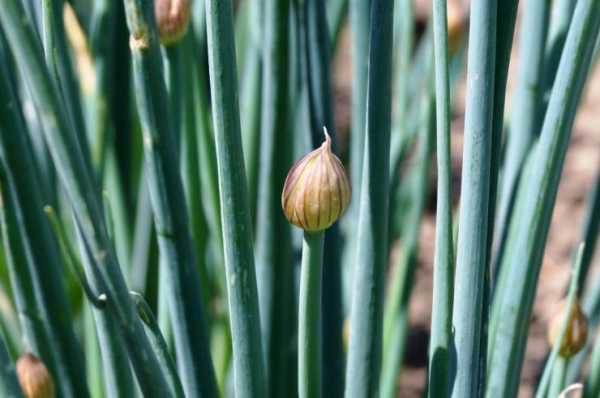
pixel 172 19
pixel 316 191
pixel 577 330
pixel 34 378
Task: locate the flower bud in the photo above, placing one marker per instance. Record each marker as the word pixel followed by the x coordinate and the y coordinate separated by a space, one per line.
pixel 172 19
pixel 456 25
pixel 316 191
pixel 576 333
pixel 34 378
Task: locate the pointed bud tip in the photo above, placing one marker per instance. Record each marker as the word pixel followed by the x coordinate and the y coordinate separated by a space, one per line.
pixel 327 143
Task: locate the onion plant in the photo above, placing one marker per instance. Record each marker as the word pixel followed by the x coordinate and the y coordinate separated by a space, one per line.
pixel 174 222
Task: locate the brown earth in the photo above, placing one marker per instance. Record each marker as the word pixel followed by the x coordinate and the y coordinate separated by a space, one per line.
pixel 578 176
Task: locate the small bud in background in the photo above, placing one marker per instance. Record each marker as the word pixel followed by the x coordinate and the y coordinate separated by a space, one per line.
pixel 34 378
pixel 577 330
pixel 172 19
pixel 457 22
pixel 316 191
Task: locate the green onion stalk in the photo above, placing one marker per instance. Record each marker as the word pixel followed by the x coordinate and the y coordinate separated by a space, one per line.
pixel 315 194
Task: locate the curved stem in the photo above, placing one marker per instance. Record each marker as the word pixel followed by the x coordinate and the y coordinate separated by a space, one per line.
pixel 71 259
pixel 158 343
pixel 309 317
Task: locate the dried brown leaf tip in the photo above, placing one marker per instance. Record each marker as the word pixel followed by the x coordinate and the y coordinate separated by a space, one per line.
pixel 577 330
pixel 34 378
pixel 316 191
pixel 172 19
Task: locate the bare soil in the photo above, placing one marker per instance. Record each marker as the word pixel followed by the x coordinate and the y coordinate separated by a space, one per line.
pixel 578 176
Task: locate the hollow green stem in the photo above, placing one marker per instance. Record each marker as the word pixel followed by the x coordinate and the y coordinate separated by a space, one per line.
pixel 93 356
pixel 317 64
pixel 172 69
pixel 34 335
pixel 402 126
pixel 190 170
pixel 248 362
pixel 118 379
pixel 592 384
pixel 274 275
pixel 506 19
pixel 506 15
pixel 469 320
pixel 61 68
pixel 99 123
pixel 142 239
pixel 359 24
pixel 9 385
pixel 559 374
pixel 397 305
pixel 161 140
pixel 158 344
pixel 250 103
pixel 205 142
pixel 359 34
pixel 31 243
pixel 364 353
pixel 9 324
pixel 404 44
pixel 310 316
pixel 443 270
pixel 561 16
pixel 526 116
pixel 115 193
pixel 82 194
pixel 98 300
